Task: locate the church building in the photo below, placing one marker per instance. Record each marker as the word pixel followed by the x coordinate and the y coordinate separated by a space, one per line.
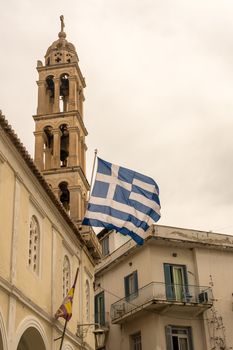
pixel 41 209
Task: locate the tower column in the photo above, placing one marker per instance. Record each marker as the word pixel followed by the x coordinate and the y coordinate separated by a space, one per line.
pixel 84 155
pixel 72 94
pixel 39 149
pixel 56 148
pixel 82 144
pixel 56 105
pixel 80 100
pixel 48 158
pixel 75 203
pixel 41 96
pixel 73 146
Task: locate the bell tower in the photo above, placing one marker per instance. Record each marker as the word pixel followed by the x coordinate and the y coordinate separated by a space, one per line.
pixel 59 125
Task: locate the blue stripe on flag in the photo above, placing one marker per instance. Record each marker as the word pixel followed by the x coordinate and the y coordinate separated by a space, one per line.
pixel 144 178
pixel 122 196
pixel 144 209
pixel 145 193
pixel 118 214
pixel 122 230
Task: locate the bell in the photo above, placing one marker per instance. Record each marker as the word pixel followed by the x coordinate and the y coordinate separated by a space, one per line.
pixel 64 154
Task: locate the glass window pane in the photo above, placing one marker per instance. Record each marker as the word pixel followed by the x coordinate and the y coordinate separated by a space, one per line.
pixel 183 344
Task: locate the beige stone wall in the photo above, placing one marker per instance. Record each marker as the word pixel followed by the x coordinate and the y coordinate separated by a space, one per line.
pixel 29 299
pixel 7 180
pixel 208 257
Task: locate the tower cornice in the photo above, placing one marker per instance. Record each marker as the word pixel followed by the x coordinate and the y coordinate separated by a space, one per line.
pixel 39 117
pixel 69 170
pixel 61 67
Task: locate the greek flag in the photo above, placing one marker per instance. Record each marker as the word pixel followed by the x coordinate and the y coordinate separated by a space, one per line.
pixel 123 200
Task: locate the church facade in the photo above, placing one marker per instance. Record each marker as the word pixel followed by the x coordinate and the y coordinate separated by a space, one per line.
pixel 41 209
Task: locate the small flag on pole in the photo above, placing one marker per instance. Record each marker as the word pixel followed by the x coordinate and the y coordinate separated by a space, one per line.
pixel 65 310
pixel 123 200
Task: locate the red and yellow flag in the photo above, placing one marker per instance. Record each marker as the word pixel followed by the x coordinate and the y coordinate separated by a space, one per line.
pixel 65 310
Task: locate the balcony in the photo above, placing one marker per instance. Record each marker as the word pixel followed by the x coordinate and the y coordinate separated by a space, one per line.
pixel 92 242
pixel 163 299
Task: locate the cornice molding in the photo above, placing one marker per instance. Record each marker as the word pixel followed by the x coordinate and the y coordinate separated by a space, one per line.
pixel 16 293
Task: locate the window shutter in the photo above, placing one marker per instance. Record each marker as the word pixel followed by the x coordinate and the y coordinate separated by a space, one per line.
pixel 102 309
pixel 126 281
pixel 96 309
pixel 135 283
pixel 168 282
pixel 186 282
pixel 190 338
pixel 168 334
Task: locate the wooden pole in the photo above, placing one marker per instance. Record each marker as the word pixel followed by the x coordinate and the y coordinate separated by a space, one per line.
pixel 63 334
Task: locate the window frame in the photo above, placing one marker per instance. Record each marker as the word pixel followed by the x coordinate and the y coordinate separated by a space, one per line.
pixel 100 308
pixel 65 289
pixel 169 334
pixel 171 287
pixel 88 300
pixel 134 344
pixel 105 246
pixel 34 220
pixel 130 295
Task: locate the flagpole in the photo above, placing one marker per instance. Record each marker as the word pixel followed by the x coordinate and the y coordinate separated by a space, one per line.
pixel 92 174
pixel 63 334
pixel 66 314
pixel 76 276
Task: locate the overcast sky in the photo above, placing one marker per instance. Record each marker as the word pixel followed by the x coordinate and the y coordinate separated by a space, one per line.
pixel 159 77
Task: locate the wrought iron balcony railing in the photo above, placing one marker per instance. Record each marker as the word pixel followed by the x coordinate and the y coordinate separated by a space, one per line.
pixel 161 293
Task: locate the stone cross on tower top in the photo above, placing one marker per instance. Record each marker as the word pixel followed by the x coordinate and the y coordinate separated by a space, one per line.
pixel 62 23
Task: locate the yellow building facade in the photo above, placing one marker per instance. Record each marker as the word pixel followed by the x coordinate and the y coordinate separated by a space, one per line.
pixel 41 208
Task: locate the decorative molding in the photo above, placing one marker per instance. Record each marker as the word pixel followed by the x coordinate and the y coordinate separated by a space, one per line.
pixel 67 346
pixel 13 291
pixel 15 229
pixel 11 321
pixel 19 178
pixel 88 272
pixel 27 322
pixel 37 206
pixel 3 332
pixel 2 158
pixel 68 247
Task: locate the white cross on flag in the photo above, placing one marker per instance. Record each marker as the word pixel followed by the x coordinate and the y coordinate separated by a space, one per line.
pixel 124 200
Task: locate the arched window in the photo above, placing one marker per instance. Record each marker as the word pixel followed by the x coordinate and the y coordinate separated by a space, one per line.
pixel 66 276
pixel 87 293
pixel 64 142
pixel 34 245
pixel 64 195
pixel 50 86
pixel 48 146
pixel 64 92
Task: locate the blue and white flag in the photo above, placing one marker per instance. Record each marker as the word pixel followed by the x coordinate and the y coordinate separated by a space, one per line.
pixel 123 200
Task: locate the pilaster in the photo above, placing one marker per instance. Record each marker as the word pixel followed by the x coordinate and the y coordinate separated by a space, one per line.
pixel 75 203
pixel 73 105
pixel 56 106
pixel 39 149
pixel 41 96
pixel 56 148
pixel 73 146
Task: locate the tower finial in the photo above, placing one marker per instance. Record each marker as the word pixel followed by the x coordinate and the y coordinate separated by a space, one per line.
pixel 62 23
